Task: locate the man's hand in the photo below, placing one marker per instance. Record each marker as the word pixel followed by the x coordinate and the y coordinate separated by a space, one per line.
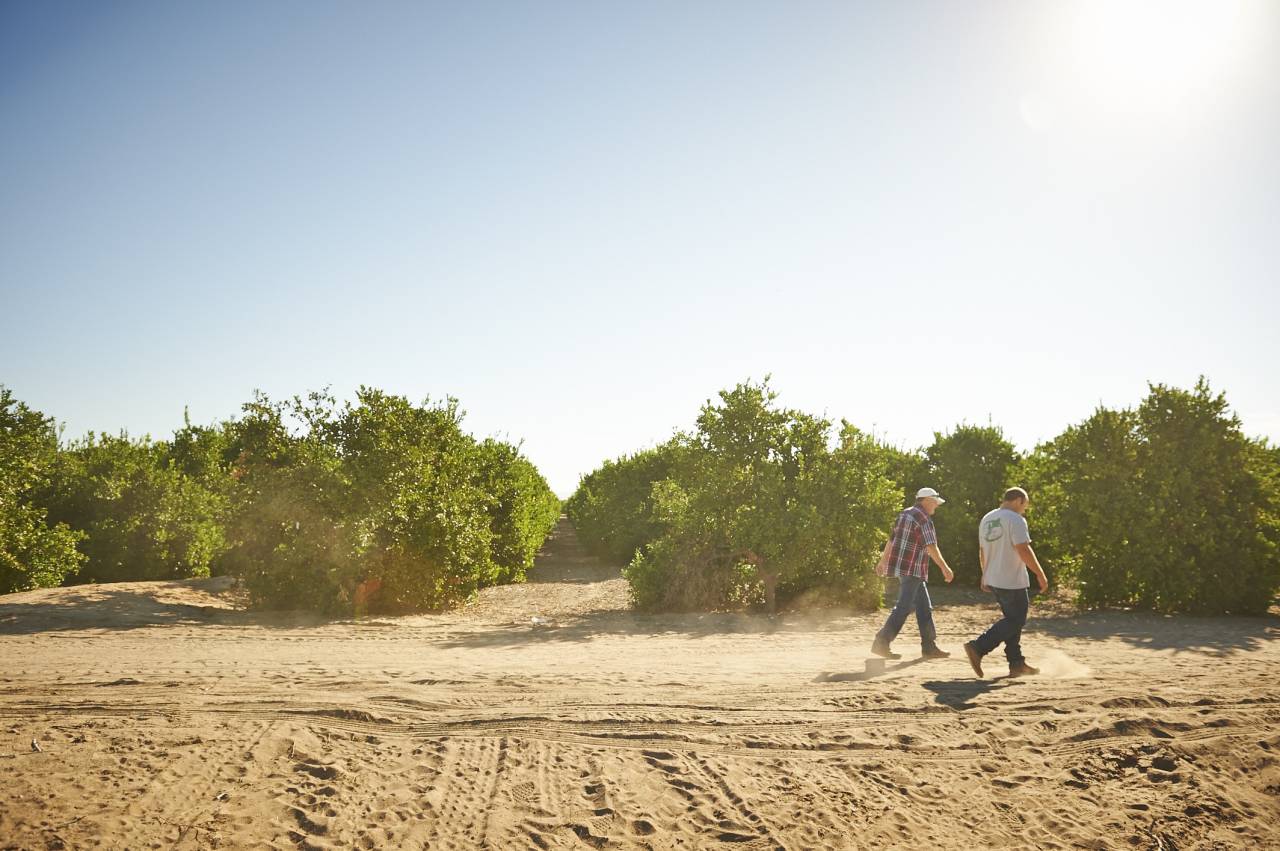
pixel 982 583
pixel 1028 557
pixel 936 555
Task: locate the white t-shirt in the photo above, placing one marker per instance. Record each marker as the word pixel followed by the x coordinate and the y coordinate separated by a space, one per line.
pixel 1000 531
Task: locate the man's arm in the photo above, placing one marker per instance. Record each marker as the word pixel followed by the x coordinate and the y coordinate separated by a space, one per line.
pixel 1028 557
pixel 884 556
pixel 982 560
pixel 936 555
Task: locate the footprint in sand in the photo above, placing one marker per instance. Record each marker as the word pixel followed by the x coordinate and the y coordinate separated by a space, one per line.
pixel 320 772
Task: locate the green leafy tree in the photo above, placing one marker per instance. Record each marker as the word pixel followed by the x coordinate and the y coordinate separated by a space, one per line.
pixel 522 508
pixel 1083 502
pixel 613 509
pixel 1167 507
pixel 288 539
pixel 908 469
pixel 425 530
pixel 1207 507
pixel 33 552
pixel 377 505
pixel 972 466
pixel 759 508
pixel 140 518
pixel 205 454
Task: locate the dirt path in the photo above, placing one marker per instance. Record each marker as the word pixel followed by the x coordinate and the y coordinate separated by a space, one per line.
pixel 564 584
pixel 167 719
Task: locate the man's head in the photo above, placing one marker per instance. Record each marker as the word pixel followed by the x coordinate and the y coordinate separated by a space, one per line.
pixel 1015 499
pixel 928 500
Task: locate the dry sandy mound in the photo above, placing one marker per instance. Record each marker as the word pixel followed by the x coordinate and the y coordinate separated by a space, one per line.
pixel 118 605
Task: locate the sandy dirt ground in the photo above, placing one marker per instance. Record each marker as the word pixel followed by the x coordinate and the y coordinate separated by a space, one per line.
pixel 165 717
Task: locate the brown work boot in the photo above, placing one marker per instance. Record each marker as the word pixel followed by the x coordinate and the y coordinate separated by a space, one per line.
pixel 934 652
pixel 881 648
pixel 1022 669
pixel 975 658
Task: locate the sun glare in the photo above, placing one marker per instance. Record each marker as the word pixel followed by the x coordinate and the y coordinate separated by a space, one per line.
pixel 1156 54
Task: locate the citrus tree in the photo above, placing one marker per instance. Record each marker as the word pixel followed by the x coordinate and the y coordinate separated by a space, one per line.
pixel 972 466
pixel 1167 506
pixel 34 552
pixel 613 510
pixel 379 504
pixel 760 508
pixel 139 518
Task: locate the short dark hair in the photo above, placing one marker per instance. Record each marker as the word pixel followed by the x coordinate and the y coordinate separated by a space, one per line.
pixel 1014 494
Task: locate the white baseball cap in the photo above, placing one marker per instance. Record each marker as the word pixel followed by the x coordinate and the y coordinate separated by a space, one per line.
pixel 923 492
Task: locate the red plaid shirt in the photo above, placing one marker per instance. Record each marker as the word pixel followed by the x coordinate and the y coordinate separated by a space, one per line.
pixel 908 551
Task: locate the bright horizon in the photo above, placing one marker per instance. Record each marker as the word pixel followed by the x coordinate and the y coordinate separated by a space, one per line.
pixel 584 222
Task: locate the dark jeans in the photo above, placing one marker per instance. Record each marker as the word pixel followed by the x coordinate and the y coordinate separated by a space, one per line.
pixel 1014 603
pixel 913 593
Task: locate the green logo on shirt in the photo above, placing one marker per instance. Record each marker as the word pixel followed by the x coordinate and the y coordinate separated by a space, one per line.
pixel 994 530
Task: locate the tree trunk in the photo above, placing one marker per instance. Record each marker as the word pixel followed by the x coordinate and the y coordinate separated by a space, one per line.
pixel 770 581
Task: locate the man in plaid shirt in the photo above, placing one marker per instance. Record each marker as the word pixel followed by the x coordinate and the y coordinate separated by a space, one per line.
pixel 906 556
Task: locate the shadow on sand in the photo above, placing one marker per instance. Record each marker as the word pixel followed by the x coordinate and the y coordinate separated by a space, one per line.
pixel 610 622
pixel 873 670
pixel 1210 636
pixel 959 694
pixel 103 607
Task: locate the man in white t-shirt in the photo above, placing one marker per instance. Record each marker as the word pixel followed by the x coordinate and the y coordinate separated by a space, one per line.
pixel 1004 548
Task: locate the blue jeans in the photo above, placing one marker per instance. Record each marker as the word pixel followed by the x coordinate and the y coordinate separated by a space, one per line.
pixel 913 593
pixel 1014 603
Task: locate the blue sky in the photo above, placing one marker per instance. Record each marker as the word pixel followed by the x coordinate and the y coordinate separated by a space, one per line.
pixel 584 219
